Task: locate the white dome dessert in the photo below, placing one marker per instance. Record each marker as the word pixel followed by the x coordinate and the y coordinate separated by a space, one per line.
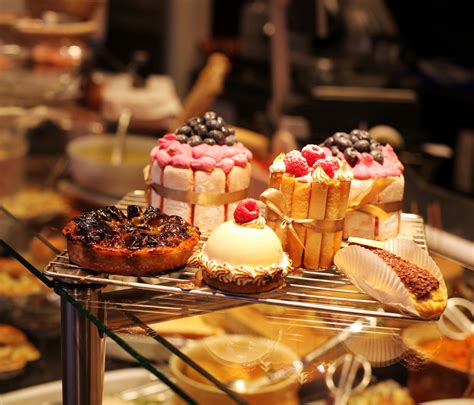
pixel 238 245
pixel 243 257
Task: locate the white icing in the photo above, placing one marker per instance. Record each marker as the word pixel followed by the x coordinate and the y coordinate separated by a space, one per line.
pixel 238 245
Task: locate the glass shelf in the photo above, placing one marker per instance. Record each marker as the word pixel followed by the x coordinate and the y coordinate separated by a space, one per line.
pixel 315 336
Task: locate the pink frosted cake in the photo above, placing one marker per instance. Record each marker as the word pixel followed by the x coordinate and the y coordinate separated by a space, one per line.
pixel 377 187
pixel 200 173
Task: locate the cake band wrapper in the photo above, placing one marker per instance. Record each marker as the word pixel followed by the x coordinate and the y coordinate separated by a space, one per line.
pixel 365 202
pixel 200 198
pixel 278 210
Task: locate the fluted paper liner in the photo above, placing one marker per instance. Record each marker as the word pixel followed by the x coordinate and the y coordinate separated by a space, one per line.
pixel 371 274
pixel 380 349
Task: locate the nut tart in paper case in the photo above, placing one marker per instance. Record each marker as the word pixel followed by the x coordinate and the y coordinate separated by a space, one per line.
pixel 315 190
pixel 243 255
pixel 200 172
pixel 376 193
pixel 138 243
pixel 402 275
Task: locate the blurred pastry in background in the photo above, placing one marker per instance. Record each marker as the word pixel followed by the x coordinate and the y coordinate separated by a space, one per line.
pixel 194 327
pixel 5 63
pixel 447 363
pixel 17 281
pixel 259 320
pixel 41 253
pixel 36 205
pixel 60 55
pixel 15 351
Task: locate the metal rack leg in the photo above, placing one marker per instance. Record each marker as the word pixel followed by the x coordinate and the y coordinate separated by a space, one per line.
pixel 83 352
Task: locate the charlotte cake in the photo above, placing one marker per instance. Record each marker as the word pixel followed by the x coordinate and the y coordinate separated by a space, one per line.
pixel 315 187
pixel 378 176
pixel 202 159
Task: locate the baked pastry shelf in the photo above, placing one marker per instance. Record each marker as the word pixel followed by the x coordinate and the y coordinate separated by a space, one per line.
pixel 325 291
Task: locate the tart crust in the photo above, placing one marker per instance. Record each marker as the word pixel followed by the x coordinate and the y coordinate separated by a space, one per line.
pixel 121 260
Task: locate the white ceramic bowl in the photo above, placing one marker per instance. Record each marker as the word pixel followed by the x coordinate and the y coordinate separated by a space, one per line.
pixel 96 174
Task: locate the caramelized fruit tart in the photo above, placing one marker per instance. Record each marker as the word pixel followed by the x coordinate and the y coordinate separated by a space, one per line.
pixel 136 243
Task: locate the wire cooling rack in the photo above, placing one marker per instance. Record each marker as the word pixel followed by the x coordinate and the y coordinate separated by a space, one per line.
pixel 325 290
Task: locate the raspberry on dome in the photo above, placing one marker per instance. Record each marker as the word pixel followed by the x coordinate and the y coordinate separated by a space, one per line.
pixel 296 164
pixel 246 211
pixel 336 162
pixel 312 153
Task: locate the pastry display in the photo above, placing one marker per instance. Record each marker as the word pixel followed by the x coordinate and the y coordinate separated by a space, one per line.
pixel 16 281
pixel 35 205
pixel 377 189
pixel 449 352
pixel 200 172
pixel 138 243
pixel 15 351
pixel 316 191
pixel 243 255
pixel 403 276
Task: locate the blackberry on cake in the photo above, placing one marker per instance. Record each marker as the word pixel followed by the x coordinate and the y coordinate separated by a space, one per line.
pixel 203 156
pixel 370 162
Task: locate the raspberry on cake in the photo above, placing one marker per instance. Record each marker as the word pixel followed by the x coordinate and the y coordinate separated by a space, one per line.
pixel 296 164
pixel 243 255
pixel 313 153
pixel 246 211
pixel 330 165
pixel 200 172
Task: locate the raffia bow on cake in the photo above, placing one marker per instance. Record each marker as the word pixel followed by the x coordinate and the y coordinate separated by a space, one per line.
pixel 380 210
pixel 275 203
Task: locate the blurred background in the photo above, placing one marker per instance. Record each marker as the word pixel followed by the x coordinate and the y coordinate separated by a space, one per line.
pixel 293 72
pixel 73 73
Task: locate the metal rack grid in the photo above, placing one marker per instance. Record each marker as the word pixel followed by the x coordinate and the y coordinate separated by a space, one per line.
pixel 326 290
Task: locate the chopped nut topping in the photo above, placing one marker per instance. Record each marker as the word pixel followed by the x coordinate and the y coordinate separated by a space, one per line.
pixel 417 280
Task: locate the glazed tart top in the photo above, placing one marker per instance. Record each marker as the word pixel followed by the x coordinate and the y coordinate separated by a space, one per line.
pixel 136 229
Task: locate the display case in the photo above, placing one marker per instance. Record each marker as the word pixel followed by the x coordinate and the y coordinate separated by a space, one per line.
pixel 314 338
